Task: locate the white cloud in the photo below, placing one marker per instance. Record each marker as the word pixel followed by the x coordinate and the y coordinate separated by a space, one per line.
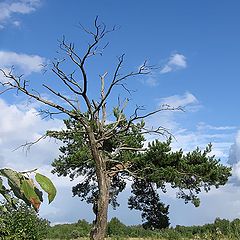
pixel 236 173
pixel 26 64
pixel 168 119
pixel 222 202
pixel 234 159
pixel 18 127
pixel 204 126
pixel 234 152
pixel 189 140
pixel 17 23
pixel 186 100
pixel 176 61
pixel 9 8
pixel 151 81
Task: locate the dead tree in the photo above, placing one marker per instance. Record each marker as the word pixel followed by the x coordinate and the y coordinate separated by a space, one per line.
pixel 107 144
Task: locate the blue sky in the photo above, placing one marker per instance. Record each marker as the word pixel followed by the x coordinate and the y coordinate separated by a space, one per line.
pixel 194 43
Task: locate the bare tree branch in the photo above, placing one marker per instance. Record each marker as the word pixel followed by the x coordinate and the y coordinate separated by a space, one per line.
pixel 117 78
pixel 58 94
pixel 28 145
pixel 104 113
pixel 66 80
pixel 45 113
pixel 158 131
pixel 15 82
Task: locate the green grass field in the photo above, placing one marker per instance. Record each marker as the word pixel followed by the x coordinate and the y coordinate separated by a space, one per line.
pixel 196 238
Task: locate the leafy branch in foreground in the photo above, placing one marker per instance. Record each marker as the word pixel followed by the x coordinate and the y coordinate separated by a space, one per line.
pixel 21 186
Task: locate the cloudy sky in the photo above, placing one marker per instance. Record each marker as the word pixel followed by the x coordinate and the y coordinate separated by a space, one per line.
pixel 196 48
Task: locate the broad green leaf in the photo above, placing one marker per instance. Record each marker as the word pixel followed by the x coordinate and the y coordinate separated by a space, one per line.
pixel 12 176
pixel 17 192
pixel 47 185
pixel 27 188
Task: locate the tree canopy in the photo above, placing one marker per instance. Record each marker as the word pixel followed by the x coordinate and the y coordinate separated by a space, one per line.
pixel 149 169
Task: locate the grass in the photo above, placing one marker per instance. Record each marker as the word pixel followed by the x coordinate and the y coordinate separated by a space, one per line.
pixel 195 238
pixel 121 238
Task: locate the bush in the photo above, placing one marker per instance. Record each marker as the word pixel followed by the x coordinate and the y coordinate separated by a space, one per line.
pixel 70 231
pixel 116 228
pixel 22 223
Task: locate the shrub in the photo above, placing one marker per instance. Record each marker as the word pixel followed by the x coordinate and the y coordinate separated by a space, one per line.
pixel 22 223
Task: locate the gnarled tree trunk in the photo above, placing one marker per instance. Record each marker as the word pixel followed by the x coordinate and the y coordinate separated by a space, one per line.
pixel 100 225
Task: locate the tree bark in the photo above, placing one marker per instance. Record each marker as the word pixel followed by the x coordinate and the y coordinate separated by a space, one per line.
pixel 100 225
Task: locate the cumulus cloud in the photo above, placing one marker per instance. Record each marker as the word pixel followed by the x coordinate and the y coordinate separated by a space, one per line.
pixel 19 126
pixel 234 159
pixel 176 61
pixel 189 140
pixel 10 8
pixel 167 118
pixel 185 100
pixel 26 64
pixel 234 152
pixel 210 208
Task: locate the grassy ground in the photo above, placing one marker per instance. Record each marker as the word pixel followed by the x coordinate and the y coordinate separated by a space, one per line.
pixel 116 238
pixel 121 238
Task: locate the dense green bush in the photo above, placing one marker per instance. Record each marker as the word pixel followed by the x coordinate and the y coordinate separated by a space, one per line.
pixel 116 228
pixel 22 223
pixel 70 231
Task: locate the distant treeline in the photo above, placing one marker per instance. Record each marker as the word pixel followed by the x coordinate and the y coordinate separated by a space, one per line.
pixel 221 228
pixel 24 223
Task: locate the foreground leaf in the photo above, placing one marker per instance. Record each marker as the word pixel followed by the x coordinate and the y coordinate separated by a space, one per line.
pixel 12 176
pixel 47 185
pixel 28 189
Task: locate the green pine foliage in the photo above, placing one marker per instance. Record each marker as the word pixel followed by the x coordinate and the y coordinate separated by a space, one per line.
pixel 149 169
